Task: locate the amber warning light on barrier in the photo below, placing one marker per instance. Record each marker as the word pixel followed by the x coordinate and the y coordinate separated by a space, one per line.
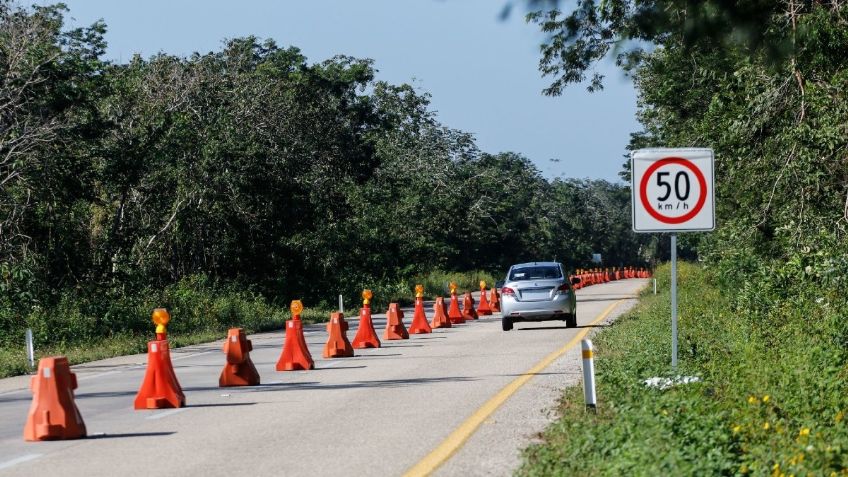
pixel 296 309
pixel 366 297
pixel 161 317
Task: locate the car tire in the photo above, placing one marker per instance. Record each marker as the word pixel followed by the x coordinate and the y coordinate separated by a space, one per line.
pixel 506 323
pixel 571 321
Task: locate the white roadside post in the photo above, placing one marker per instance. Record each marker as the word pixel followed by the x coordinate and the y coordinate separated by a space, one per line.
pixel 672 190
pixel 30 348
pixel 341 304
pixel 588 374
pixel 655 286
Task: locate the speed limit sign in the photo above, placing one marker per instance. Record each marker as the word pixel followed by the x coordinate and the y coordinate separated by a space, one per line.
pixel 672 190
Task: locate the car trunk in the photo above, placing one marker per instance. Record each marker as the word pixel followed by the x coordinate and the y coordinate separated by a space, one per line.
pixel 538 290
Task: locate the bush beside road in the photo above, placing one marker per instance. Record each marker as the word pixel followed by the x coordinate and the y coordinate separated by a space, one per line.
pixel 772 397
pixel 84 329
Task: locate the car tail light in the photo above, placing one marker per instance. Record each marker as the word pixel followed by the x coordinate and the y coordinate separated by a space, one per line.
pixel 507 291
pixel 563 288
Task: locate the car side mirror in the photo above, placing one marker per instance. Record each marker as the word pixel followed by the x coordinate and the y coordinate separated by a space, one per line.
pixel 575 280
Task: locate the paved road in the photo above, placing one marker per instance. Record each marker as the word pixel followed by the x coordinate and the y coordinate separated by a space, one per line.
pixel 379 413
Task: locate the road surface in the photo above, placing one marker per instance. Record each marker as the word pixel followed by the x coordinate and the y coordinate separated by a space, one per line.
pixel 459 401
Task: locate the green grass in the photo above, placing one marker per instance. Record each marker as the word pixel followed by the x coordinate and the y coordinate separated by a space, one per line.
pixel 772 398
pixel 13 359
pixel 88 326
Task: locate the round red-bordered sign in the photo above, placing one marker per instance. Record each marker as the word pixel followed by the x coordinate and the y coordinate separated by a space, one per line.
pixel 643 190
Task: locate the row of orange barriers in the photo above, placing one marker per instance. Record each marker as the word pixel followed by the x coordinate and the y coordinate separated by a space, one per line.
pixel 54 414
pixel 597 276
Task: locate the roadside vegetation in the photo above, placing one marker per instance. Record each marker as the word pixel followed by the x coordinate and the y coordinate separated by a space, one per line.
pixel 201 312
pixel 772 397
pixel 226 184
pixel 763 322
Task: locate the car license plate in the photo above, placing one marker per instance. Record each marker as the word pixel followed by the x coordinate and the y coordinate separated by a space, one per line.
pixel 535 295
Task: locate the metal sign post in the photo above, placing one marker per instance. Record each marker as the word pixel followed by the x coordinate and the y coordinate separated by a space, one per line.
pixel 674 300
pixel 672 190
pixel 30 348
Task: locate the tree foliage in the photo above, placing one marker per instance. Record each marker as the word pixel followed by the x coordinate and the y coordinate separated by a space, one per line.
pixel 253 168
pixel 761 82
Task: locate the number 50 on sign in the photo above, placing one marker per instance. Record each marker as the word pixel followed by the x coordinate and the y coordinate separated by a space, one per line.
pixel 672 190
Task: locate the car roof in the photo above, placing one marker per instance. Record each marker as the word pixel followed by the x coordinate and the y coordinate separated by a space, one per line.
pixel 535 264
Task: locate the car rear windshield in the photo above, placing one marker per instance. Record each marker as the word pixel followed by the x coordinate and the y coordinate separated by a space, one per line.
pixel 535 273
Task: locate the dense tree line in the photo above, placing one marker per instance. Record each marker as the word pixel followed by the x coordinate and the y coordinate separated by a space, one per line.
pixel 252 166
pixel 763 83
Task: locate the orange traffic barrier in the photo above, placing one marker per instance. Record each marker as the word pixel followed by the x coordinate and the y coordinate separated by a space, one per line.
pixel 160 388
pixel 366 337
pixel 53 413
pixel 495 300
pixel 337 344
pixel 440 314
pixel 454 315
pixel 239 369
pixel 468 311
pixel 483 309
pixel 295 355
pixel 419 318
pixel 395 329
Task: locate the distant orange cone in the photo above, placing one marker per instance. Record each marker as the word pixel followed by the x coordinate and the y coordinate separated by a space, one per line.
pixel 419 318
pixel 454 315
pixel 337 344
pixel 239 369
pixel 160 388
pixel 295 355
pixel 366 337
pixel 53 413
pixel 395 329
pixel 440 314
pixel 495 300
pixel 468 311
pixel 483 309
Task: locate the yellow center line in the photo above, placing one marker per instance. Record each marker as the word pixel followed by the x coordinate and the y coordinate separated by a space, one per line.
pixel 461 434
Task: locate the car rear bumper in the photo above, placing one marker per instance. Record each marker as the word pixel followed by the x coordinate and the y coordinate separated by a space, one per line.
pixel 557 309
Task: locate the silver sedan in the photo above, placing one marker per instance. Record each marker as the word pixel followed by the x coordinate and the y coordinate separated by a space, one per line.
pixel 538 291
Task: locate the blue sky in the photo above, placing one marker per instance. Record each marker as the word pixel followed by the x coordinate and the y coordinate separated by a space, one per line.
pixel 481 71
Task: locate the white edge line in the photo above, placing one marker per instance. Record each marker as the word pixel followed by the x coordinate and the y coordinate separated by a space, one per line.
pixel 98 375
pixel 19 460
pixel 330 364
pixel 160 415
pixel 189 355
